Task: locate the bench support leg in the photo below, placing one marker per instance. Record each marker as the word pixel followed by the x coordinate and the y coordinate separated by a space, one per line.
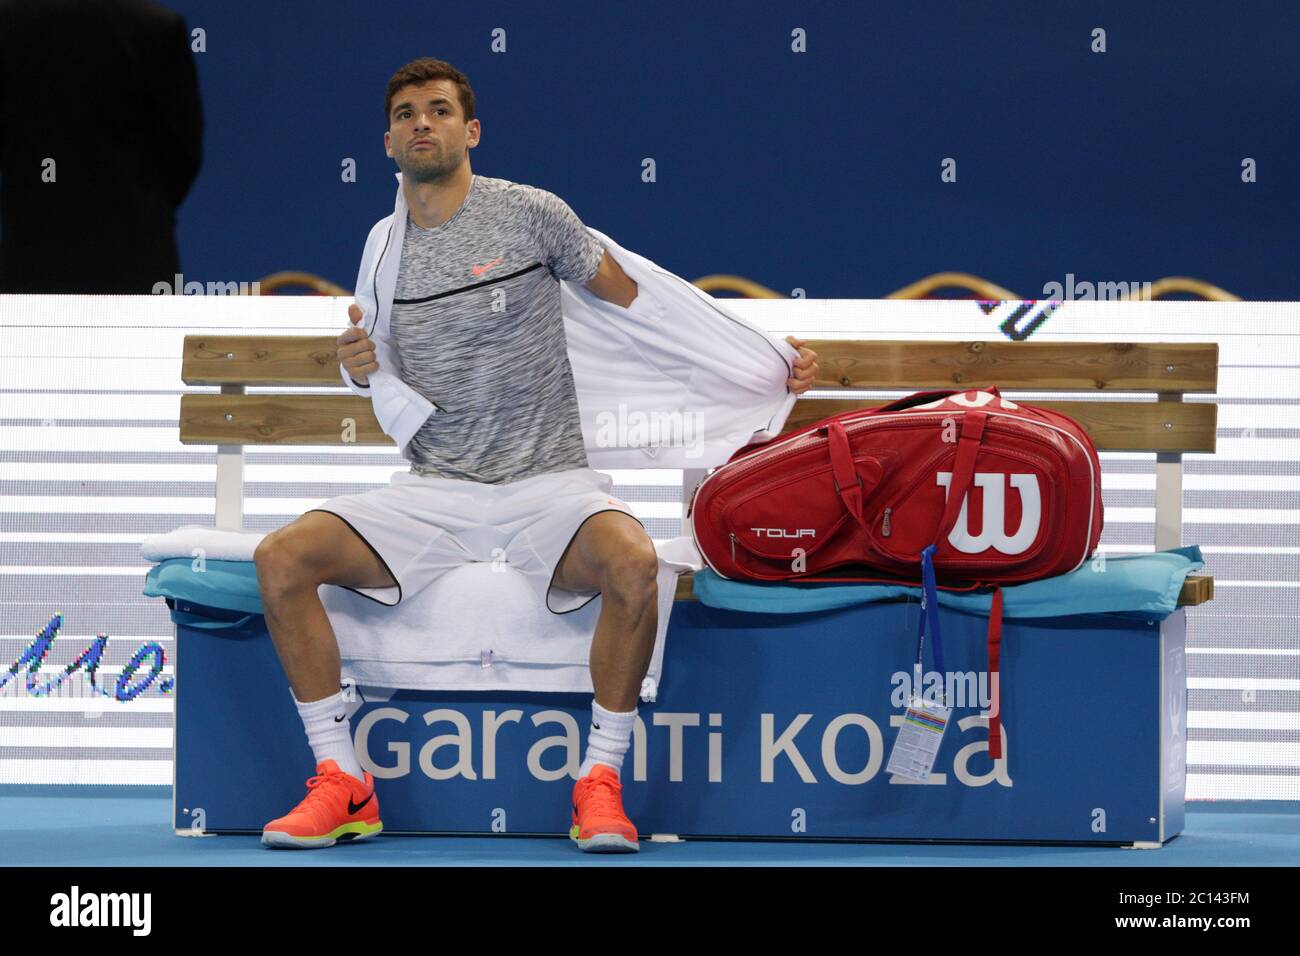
pixel 1169 491
pixel 230 479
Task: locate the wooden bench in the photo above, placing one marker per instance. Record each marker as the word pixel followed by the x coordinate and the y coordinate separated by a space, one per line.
pixel 1169 426
pixel 1111 772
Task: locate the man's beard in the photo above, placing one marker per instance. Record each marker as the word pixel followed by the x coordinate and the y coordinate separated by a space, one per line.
pixel 424 168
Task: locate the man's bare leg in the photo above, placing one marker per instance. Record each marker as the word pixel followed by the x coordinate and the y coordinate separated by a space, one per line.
pixel 317 548
pixel 613 553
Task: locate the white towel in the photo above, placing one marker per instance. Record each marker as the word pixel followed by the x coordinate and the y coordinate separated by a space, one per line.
pixel 478 629
pixel 471 629
pixel 217 544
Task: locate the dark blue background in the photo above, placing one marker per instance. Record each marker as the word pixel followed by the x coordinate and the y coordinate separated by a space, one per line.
pixel 817 170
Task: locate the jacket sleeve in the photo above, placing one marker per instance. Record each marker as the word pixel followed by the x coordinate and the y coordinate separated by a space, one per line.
pixel 646 305
pixel 364 296
pixel 356 387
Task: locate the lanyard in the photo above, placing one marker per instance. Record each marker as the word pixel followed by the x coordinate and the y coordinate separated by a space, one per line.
pixel 930 612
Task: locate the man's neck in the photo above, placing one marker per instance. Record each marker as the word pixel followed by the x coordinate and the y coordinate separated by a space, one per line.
pixel 433 203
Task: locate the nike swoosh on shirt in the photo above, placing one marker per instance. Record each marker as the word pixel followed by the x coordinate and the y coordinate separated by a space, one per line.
pixel 479 270
pixel 340 717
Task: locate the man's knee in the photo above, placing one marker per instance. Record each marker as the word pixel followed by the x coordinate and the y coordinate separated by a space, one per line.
pixel 631 571
pixel 282 561
pixel 317 548
pixel 309 551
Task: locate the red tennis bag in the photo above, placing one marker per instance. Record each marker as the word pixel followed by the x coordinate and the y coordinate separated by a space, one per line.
pixel 1007 492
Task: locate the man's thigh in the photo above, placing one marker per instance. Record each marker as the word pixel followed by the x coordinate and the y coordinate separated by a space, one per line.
pixel 321 547
pixel 606 542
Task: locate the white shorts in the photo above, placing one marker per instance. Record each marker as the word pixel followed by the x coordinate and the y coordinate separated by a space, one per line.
pixel 420 527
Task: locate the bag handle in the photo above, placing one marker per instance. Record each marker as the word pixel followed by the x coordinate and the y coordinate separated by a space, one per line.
pixel 963 470
pixel 848 483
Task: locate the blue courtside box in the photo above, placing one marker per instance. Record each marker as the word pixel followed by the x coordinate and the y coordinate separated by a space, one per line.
pixel 766 725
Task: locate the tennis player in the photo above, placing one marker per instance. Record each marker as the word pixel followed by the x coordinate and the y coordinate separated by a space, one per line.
pixel 499 468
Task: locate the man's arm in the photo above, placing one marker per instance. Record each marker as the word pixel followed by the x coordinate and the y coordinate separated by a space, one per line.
pixel 612 284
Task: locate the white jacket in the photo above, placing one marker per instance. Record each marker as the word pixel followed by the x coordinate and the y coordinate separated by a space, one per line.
pixel 677 381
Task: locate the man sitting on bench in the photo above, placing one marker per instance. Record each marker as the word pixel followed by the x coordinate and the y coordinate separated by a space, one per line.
pixel 499 469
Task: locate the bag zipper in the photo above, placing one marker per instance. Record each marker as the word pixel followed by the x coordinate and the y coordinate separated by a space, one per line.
pixel 885 526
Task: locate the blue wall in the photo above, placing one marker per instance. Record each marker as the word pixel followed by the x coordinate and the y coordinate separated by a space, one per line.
pixel 818 170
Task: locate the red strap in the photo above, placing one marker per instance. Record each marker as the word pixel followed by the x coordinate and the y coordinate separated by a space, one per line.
pixel 995 679
pixel 963 471
pixel 847 481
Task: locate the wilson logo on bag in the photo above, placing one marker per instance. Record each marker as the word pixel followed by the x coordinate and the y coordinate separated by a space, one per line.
pixel 1007 492
pixel 993 523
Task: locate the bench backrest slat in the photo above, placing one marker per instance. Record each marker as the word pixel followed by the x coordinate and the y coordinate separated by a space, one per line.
pixel 1040 366
pixel 324 420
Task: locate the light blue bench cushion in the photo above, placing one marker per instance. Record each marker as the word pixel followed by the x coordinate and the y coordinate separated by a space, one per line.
pixel 231 585
pixel 1143 586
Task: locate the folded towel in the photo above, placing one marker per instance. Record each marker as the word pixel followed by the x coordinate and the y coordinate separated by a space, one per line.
pixel 471 629
pixel 191 540
pixel 476 629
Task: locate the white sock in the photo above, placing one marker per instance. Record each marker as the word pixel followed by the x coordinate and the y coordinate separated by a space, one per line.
pixel 611 734
pixel 329 733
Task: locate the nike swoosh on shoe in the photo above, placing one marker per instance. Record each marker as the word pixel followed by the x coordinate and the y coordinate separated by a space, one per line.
pixel 354 807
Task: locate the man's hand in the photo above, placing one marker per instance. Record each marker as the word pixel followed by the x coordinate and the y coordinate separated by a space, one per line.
pixel 356 351
pixel 806 367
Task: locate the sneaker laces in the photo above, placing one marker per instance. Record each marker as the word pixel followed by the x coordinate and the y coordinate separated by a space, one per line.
pixel 318 786
pixel 603 796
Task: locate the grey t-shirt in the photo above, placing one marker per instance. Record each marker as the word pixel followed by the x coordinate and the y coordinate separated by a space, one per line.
pixel 476 319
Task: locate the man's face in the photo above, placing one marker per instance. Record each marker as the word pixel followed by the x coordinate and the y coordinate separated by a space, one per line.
pixel 427 133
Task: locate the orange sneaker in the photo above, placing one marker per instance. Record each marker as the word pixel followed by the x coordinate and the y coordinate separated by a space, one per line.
pixel 599 823
pixel 338 807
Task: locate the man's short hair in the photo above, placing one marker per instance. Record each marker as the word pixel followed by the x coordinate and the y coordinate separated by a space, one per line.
pixel 423 70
